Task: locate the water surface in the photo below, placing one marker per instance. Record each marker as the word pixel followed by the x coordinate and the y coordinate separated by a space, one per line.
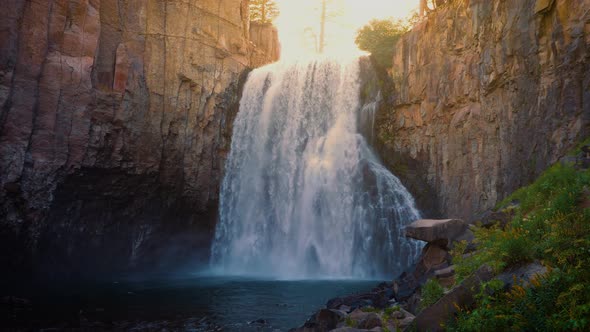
pixel 189 303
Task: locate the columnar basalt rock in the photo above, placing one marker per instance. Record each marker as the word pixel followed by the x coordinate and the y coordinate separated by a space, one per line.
pixel 266 38
pixel 487 95
pixel 115 120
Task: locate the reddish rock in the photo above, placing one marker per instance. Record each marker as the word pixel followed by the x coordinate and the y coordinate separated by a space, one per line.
pixel 486 95
pixel 128 93
pixel 430 230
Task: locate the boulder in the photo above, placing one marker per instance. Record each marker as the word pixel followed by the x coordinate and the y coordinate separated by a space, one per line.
pixel 344 308
pixel 434 257
pixel 500 218
pixel 327 319
pixel 432 318
pixel 378 298
pixel 404 323
pixel 400 320
pixel 522 275
pixel 370 321
pixel 358 315
pixel 446 272
pixel 322 321
pixel 446 276
pixel 432 230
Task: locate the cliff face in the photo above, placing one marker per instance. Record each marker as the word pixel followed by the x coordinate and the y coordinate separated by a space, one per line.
pixel 487 95
pixel 114 125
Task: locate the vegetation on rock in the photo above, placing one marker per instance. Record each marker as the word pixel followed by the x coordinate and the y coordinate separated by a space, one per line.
pixel 263 11
pixel 380 37
pixel 432 291
pixel 551 224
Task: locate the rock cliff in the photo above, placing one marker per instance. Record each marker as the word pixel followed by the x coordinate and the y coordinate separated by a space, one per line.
pixel 115 121
pixel 486 95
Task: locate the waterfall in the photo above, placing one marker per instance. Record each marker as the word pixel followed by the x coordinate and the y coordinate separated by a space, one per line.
pixel 303 194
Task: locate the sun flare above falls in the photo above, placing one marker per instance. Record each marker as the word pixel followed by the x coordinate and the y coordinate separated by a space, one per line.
pixel 299 23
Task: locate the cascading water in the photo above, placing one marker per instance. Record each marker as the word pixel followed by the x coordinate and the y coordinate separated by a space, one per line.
pixel 303 194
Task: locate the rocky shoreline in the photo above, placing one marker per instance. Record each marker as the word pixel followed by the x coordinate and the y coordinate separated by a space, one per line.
pixel 400 304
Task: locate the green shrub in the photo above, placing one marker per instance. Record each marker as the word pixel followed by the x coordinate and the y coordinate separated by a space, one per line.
pixel 379 37
pixel 350 322
pixel 549 225
pixel 369 309
pixel 432 291
pixel 389 311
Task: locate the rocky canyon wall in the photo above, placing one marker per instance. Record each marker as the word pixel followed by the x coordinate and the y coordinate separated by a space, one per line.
pixel 487 94
pixel 115 122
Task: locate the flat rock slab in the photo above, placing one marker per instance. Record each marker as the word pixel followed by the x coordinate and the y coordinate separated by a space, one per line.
pixel 446 272
pixel 522 275
pixel 431 230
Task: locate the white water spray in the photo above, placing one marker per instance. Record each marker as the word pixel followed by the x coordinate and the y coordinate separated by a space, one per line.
pixel 303 195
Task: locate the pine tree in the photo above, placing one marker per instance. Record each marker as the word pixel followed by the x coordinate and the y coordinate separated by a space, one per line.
pixel 263 11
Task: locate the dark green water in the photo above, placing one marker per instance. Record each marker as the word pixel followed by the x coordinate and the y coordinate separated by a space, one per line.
pixel 188 303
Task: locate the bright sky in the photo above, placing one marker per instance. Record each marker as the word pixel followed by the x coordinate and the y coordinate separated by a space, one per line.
pixel 296 15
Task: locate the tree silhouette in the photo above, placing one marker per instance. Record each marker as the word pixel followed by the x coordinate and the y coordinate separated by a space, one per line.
pixel 263 11
pixel 329 10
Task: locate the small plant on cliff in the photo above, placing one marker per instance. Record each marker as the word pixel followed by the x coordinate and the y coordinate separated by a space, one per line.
pixel 389 311
pixel 432 291
pixel 370 309
pixel 350 322
pixel 380 37
pixel 263 11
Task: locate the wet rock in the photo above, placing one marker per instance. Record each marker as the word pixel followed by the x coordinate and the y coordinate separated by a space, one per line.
pixel 344 308
pixel 341 314
pixel 259 321
pixel 376 299
pixel 431 230
pixel 327 319
pixel 322 321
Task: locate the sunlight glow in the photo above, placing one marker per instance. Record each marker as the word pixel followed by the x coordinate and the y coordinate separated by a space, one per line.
pixel 299 24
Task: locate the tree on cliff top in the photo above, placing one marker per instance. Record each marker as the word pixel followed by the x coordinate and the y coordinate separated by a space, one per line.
pixel 379 38
pixel 428 5
pixel 263 11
